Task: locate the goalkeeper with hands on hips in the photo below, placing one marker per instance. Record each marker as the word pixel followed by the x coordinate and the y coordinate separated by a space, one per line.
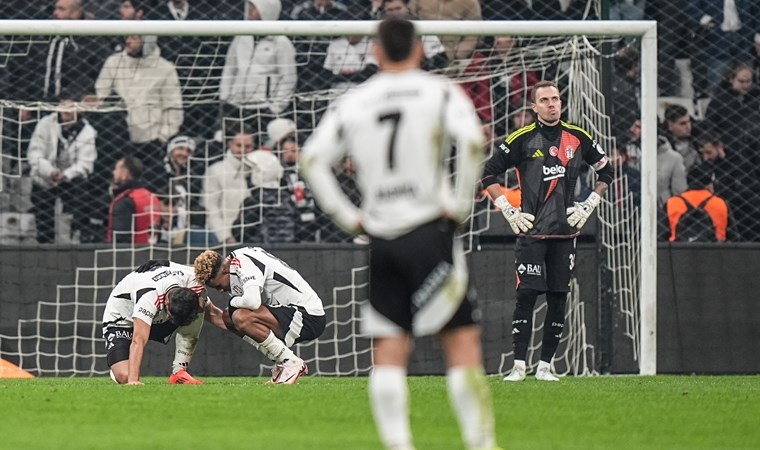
pixel 548 155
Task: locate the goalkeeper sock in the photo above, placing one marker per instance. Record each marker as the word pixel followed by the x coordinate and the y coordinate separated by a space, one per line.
pixel 274 349
pixel 471 399
pixel 522 321
pixel 553 324
pixel 389 397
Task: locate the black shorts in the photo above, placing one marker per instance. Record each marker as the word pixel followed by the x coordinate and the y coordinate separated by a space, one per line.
pixel 544 264
pixel 118 340
pixel 296 325
pixel 419 283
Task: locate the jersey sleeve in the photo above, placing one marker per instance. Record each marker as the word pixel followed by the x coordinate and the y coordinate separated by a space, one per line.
pixel 463 125
pixel 146 306
pixel 247 282
pixel 595 156
pixel 504 157
pixel 322 152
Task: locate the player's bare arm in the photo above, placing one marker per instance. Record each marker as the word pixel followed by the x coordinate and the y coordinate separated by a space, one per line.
pixel 136 350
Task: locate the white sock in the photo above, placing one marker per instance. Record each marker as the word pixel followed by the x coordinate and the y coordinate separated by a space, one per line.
pixel 389 398
pixel 274 349
pixel 185 342
pixel 544 364
pixel 471 398
pixel 519 364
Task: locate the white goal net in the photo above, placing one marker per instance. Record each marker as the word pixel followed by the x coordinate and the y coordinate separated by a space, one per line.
pixel 243 97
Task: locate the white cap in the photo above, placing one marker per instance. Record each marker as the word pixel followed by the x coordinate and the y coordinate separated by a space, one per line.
pixel 180 141
pixel 278 129
pixel 266 170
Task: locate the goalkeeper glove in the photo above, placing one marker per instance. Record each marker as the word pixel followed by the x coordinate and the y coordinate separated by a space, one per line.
pixel 578 214
pixel 152 264
pixel 517 220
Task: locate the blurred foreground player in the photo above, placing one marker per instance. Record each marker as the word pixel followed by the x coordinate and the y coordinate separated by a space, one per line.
pixel 398 128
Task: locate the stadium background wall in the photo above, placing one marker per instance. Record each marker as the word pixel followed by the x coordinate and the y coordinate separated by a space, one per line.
pixel 707 307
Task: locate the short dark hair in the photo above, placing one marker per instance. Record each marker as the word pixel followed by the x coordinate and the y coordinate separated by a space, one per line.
pixel 700 175
pixel 397 37
pixel 675 112
pixel 539 85
pixel 709 136
pixel 133 165
pixel 233 127
pixel 183 306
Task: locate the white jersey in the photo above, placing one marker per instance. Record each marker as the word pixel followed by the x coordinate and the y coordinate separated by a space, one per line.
pixel 141 296
pixel 257 277
pixel 398 128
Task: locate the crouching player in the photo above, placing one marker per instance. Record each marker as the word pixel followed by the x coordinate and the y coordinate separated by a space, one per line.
pixel 272 307
pixel 151 306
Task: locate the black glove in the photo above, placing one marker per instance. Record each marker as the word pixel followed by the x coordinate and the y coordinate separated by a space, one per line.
pixel 152 264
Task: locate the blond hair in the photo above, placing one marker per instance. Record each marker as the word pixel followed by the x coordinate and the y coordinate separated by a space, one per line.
pixel 207 265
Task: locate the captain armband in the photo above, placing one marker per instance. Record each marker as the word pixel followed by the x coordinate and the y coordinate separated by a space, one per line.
pixel 604 171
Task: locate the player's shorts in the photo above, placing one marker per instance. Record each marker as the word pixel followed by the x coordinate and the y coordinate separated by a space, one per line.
pixel 544 264
pixel 296 324
pixel 118 340
pixel 418 283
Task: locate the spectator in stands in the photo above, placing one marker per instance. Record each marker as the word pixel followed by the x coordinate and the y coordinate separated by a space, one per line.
pixel 632 147
pixel 61 156
pixel 174 46
pixel 311 51
pixel 623 169
pixel 259 75
pixel 65 60
pixel 134 215
pixel 133 10
pixel 671 174
pixel 149 86
pixel 731 183
pixel 521 118
pixel 681 136
pixel 435 53
pixel 471 72
pixel 674 43
pixel 510 84
pixel 182 177
pixel 735 110
pixel 176 228
pixel 267 215
pixel 225 185
pixel 351 61
pixel 700 195
pixel 319 10
pixel 726 29
pixel 457 47
pixel 283 142
pixel 558 9
pixel 625 90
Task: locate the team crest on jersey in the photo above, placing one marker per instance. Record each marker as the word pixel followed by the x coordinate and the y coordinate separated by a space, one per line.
pixel 569 152
pixel 237 290
pixel 554 151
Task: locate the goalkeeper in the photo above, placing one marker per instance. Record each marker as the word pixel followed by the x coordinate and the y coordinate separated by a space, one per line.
pixel 548 155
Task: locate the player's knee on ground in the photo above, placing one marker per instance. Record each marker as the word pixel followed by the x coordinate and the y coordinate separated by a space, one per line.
pixel 119 373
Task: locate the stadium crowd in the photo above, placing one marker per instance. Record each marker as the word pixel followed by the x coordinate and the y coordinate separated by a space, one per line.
pixel 197 140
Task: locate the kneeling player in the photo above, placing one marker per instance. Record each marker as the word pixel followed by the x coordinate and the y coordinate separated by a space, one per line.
pixel 272 306
pixel 151 306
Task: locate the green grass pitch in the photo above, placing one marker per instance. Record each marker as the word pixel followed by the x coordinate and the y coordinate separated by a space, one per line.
pixel 615 413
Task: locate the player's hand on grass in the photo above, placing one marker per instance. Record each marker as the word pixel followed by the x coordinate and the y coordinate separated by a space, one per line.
pixel 135 383
pixel 578 214
pixel 519 221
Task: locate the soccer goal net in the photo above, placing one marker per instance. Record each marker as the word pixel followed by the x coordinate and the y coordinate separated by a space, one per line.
pixel 209 116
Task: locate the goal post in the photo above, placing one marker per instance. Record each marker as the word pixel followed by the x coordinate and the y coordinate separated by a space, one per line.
pixel 646 279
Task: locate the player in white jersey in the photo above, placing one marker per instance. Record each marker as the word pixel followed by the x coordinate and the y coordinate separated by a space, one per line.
pixel 151 306
pixel 398 128
pixel 272 307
